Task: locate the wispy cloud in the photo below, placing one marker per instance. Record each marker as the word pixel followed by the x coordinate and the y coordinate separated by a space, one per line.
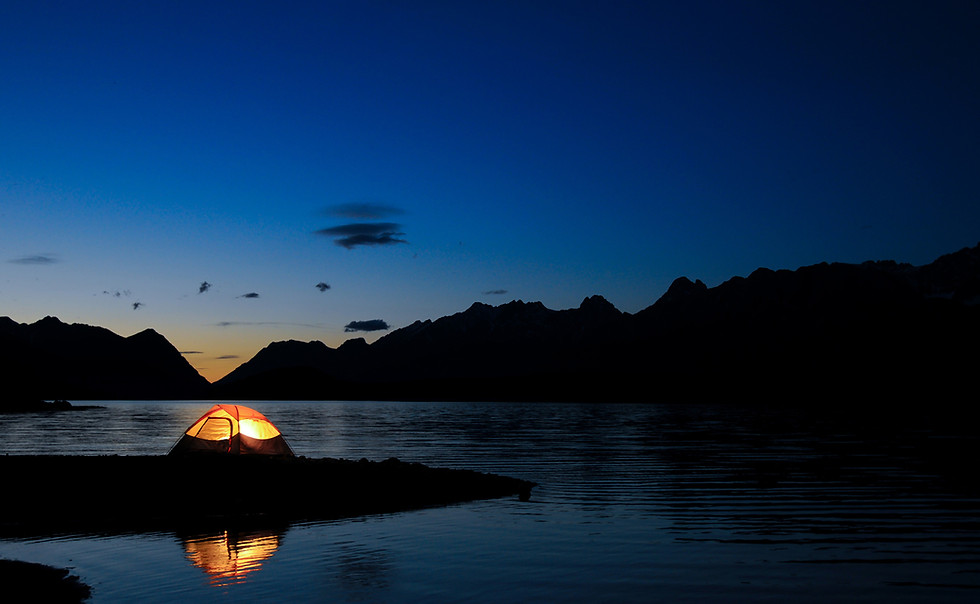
pixel 265 323
pixel 249 295
pixel 322 286
pixel 37 259
pixel 363 210
pixel 191 352
pixel 371 325
pixel 225 357
pixel 205 286
pixel 364 233
pixel 116 293
pixel 495 292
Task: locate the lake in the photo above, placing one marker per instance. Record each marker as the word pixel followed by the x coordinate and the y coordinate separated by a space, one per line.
pixel 634 503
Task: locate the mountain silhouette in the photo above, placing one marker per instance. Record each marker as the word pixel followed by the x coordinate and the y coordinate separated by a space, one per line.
pixel 50 359
pixel 873 334
pixel 825 334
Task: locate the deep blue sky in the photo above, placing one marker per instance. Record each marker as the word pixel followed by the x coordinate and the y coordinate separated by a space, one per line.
pixel 488 152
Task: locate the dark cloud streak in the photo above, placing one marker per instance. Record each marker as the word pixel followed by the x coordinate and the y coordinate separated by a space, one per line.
pixel 117 293
pixel 364 233
pixel 262 323
pixel 37 259
pixel 371 325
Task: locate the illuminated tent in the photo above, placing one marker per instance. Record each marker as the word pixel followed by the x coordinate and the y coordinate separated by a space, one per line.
pixel 232 429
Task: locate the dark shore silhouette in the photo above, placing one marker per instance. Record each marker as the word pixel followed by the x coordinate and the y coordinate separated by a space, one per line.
pixel 31 582
pixel 836 333
pixel 51 493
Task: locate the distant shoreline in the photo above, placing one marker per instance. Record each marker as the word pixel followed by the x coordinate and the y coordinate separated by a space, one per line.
pixel 39 406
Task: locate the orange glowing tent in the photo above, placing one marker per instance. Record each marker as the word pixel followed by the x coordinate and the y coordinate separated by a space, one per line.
pixel 234 430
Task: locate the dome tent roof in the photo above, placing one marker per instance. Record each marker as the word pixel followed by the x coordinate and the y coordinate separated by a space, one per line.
pixel 233 430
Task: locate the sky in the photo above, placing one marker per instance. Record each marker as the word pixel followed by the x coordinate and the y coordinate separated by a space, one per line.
pixel 236 173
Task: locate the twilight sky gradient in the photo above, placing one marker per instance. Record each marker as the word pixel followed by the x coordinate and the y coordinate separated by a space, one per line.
pixel 234 173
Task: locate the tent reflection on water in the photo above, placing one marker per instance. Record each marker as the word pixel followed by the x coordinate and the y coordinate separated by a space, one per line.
pixel 229 557
pixel 232 429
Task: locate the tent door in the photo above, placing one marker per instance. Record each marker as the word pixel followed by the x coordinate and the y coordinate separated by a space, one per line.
pixel 216 428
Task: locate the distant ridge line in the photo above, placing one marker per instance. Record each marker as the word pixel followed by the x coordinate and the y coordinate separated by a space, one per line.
pixel 828 333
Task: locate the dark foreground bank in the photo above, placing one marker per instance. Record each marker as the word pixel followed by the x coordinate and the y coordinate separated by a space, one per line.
pixel 30 582
pixel 53 493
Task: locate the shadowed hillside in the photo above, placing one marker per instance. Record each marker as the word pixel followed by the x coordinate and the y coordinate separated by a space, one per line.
pixel 50 359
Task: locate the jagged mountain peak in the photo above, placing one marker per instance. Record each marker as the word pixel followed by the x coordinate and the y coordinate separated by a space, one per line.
pixel 49 320
pixel 354 344
pixel 683 288
pixel 148 334
pixel 596 301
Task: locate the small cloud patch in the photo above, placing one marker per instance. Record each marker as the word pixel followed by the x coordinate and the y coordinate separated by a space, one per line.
pixel 495 292
pixel 249 295
pixel 37 259
pixel 116 293
pixel 322 286
pixel 364 233
pixel 371 325
pixel 226 357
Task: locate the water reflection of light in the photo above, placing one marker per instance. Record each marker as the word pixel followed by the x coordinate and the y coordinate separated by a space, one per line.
pixel 229 557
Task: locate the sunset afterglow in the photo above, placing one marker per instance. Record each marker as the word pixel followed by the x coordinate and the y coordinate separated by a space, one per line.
pixel 233 174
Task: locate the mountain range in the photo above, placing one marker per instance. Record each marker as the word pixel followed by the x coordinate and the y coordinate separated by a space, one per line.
pixel 872 333
pixel 50 359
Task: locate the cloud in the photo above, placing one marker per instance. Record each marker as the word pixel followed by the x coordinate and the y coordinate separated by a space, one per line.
pixel 372 325
pixel 117 293
pixel 38 259
pixel 495 292
pixel 249 295
pixel 364 233
pixel 191 352
pixel 137 305
pixel 205 286
pixel 262 323
pixel 363 211
pixel 225 357
pixel 322 286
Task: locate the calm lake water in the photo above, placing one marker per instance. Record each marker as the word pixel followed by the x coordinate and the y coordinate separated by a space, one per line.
pixel 635 503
